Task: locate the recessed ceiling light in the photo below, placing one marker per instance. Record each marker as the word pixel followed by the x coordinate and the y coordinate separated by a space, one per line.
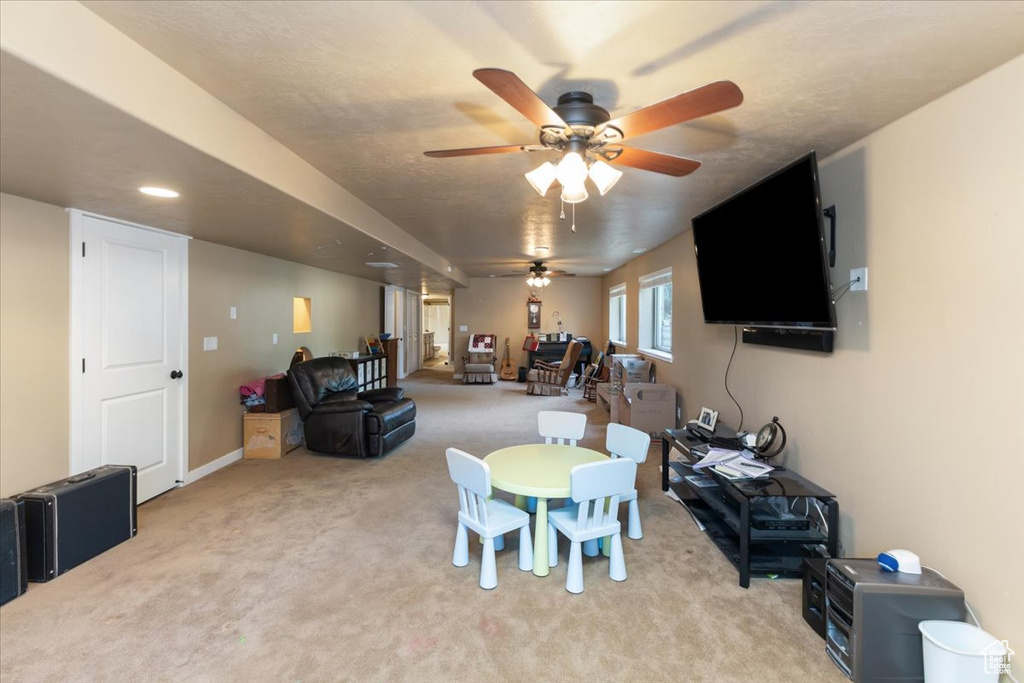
pixel 639 251
pixel 159 192
pixel 382 264
pixel 491 275
pixel 606 269
pixel 449 269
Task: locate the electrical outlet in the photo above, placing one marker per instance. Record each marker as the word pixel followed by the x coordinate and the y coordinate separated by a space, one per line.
pixel 209 343
pixel 275 337
pixel 463 328
pixel 862 284
pixel 234 313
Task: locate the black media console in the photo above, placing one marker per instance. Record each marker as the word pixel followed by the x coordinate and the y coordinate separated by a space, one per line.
pixel 756 544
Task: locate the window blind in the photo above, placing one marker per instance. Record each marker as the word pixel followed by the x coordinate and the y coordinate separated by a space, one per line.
pixel 656 279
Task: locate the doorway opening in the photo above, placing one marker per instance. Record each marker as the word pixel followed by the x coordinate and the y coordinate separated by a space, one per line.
pixel 437 320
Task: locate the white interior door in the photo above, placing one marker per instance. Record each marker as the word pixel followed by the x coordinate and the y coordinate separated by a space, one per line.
pixel 413 352
pixel 129 315
pixel 394 297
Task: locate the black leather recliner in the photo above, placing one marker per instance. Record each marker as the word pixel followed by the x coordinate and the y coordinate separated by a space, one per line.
pixel 339 421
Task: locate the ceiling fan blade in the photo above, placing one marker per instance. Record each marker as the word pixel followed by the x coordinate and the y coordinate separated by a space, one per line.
pixel 510 88
pixel 689 105
pixel 656 162
pixel 476 151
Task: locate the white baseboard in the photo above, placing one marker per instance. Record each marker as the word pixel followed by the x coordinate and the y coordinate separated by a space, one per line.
pixel 211 467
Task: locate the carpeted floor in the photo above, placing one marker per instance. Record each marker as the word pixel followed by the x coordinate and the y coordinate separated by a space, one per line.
pixel 313 568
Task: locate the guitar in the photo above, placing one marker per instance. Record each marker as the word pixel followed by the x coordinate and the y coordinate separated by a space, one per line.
pixel 508 372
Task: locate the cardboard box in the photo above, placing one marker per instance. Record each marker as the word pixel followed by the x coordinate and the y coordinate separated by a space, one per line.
pixel 617 363
pixel 271 435
pixel 648 407
pixel 636 370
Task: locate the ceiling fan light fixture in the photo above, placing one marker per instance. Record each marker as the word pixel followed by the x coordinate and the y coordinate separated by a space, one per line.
pixel 542 177
pixel 574 194
pixel 534 281
pixel 604 176
pixel 572 170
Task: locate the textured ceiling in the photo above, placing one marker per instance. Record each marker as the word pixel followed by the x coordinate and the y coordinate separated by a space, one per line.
pixel 361 89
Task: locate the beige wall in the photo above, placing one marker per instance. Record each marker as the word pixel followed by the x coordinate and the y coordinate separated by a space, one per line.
pixel 34 314
pixel 915 421
pixel 34 383
pixel 499 305
pixel 261 289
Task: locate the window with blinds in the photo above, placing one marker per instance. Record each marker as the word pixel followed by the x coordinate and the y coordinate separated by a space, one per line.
pixel 617 314
pixel 655 313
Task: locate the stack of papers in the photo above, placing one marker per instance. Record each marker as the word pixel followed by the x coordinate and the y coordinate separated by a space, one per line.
pixel 733 464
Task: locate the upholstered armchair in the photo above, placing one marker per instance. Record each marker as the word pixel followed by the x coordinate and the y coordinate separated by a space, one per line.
pixel 338 420
pixel 550 379
pixel 478 365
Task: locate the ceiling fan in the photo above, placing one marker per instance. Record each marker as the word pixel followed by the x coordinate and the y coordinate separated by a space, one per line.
pixel 590 139
pixel 540 275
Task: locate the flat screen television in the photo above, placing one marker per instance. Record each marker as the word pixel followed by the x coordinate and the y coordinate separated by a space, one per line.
pixel 761 254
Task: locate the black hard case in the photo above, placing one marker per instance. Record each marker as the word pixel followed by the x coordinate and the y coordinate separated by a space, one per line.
pixel 814 593
pixel 75 519
pixel 13 558
pixel 278 395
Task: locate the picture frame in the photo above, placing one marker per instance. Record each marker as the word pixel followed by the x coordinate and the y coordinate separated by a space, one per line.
pixel 708 418
pixel 373 345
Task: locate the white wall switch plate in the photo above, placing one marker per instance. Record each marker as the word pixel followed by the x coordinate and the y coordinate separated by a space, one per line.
pixel 234 313
pixel 275 337
pixel 861 273
pixel 209 343
pixel 463 328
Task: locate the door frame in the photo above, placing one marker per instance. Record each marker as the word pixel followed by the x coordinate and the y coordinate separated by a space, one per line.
pixel 394 322
pixel 414 348
pixel 76 459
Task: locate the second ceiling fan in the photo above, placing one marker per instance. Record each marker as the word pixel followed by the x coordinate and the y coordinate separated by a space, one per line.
pixel 590 139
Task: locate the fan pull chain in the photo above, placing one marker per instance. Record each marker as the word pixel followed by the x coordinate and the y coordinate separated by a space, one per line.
pixel 574 218
pixel 561 214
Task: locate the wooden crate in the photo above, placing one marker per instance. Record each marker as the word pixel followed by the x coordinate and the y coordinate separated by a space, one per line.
pixel 271 435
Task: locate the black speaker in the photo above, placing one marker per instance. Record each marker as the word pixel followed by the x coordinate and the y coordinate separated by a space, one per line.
pixel 814 594
pixel 805 340
pixel 521 377
pixel 13 557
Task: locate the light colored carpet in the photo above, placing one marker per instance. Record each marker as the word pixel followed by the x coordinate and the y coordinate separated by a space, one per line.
pixel 314 568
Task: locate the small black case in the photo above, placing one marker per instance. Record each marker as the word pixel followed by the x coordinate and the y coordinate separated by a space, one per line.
pixel 814 594
pixel 13 558
pixel 73 520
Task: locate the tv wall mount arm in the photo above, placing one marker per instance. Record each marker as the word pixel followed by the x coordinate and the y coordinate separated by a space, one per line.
pixel 830 214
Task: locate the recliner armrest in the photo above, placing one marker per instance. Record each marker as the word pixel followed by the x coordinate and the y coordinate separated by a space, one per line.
pixel 385 394
pixel 350 406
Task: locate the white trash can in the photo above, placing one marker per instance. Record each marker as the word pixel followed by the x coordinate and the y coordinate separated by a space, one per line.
pixel 958 652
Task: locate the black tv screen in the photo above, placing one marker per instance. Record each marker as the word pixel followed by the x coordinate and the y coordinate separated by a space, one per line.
pixel 761 254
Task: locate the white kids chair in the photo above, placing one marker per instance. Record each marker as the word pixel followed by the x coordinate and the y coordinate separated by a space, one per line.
pixel 561 427
pixel 596 488
pixel 487 516
pixel 558 427
pixel 627 442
